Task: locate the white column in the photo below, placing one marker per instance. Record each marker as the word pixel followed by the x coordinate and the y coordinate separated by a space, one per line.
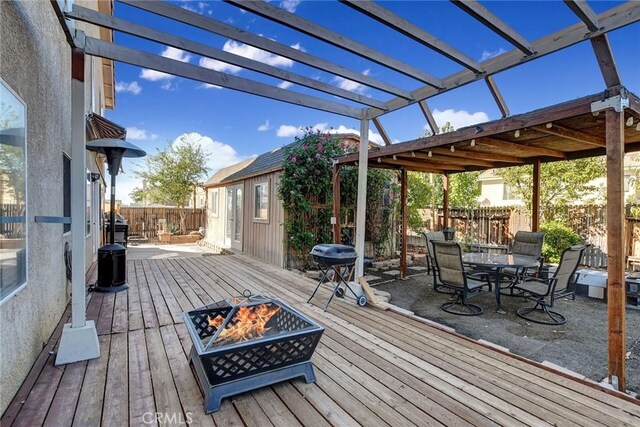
pixel 361 206
pixel 79 338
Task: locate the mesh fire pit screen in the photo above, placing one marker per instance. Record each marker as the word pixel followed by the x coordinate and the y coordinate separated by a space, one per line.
pixel 244 343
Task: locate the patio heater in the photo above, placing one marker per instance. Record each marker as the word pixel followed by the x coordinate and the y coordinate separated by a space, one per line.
pixel 112 257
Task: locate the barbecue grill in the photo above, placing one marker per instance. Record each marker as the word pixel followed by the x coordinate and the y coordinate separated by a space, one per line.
pixel 244 343
pixel 340 260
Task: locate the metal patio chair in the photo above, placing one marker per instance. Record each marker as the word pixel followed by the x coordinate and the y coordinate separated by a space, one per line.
pixel 544 292
pixel 453 276
pixel 434 236
pixel 526 243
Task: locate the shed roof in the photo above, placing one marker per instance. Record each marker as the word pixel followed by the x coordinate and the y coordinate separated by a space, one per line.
pixel 268 162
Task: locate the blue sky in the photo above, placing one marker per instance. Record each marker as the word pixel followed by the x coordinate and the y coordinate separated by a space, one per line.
pixel 158 109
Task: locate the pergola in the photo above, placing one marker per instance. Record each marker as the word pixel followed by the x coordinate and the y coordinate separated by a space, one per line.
pixel 564 131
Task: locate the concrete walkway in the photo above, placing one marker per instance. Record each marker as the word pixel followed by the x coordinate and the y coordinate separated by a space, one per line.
pixel 156 251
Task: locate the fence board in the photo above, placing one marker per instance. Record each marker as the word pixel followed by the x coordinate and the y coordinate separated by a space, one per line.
pixel 147 221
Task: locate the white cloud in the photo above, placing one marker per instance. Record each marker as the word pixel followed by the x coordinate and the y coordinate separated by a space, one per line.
pixel 220 155
pixel 490 54
pixel 290 131
pixel 216 65
pixel 299 47
pixel 171 53
pixel 290 5
pixel 459 118
pixel 350 85
pixel 259 55
pixel 209 86
pixel 140 134
pixel 265 127
pixel 132 87
pixel 285 84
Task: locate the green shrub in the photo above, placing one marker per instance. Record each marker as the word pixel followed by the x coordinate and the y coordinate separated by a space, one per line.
pixel 558 238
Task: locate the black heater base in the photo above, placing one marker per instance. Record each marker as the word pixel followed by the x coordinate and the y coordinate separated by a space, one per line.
pixel 112 269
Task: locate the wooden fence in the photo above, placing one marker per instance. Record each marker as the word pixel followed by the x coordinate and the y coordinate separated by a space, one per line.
pixel 498 225
pixel 12 229
pixel 147 221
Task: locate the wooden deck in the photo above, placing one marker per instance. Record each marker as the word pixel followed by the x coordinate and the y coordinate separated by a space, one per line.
pixel 373 368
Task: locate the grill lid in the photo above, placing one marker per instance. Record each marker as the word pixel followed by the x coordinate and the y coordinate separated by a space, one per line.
pixel 334 254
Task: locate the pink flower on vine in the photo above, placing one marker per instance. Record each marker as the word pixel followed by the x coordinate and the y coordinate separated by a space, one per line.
pixel 305 147
pixel 320 148
pixel 294 159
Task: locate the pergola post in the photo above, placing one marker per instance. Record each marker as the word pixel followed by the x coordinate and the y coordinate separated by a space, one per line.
pixel 79 339
pixel 535 200
pixel 614 122
pixel 336 203
pixel 403 204
pixel 445 200
pixel 361 207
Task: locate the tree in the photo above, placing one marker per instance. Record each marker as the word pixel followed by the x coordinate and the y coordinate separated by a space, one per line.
pixel 172 174
pixel 561 183
pixel 464 190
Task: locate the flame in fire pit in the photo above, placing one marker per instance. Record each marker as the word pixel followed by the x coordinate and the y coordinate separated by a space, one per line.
pixel 249 323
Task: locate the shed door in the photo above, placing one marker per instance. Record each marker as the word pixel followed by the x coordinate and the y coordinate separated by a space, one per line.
pixel 233 228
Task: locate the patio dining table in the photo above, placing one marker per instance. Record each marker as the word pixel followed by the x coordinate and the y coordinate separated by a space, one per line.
pixel 495 263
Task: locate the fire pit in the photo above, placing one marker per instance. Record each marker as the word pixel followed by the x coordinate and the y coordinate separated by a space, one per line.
pixel 244 343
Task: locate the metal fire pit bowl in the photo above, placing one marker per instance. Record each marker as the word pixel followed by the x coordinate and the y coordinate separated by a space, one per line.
pixel 226 367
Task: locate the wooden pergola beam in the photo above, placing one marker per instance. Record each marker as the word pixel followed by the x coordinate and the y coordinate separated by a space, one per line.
pixel 437 158
pixel 616 298
pixel 127 55
pixel 194 19
pixel 381 131
pixel 427 115
pixel 491 21
pixel 535 202
pixel 584 12
pixel 113 23
pixel 525 149
pixel 414 32
pixel 445 199
pixel 497 96
pixel 480 155
pixel 606 61
pixel 426 165
pixel 298 23
pixel 404 183
pixel 567 133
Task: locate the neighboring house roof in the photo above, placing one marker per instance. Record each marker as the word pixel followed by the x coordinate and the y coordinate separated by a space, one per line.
pixel 271 161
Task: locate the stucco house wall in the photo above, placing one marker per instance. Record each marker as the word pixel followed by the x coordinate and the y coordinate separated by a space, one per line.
pixel 35 62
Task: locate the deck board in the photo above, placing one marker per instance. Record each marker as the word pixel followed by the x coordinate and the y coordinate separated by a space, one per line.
pixel 373 367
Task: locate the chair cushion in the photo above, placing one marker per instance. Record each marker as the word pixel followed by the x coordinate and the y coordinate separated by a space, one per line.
pixel 533 287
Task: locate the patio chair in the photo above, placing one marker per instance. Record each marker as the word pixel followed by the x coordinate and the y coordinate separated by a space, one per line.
pixel 453 276
pixel 544 292
pixel 434 236
pixel 526 243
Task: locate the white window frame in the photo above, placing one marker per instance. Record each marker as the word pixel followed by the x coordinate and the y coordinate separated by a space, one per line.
pixel 215 213
pixel 4 299
pixel 255 190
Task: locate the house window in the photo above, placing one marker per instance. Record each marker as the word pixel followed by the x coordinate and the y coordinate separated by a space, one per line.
pixel 213 202
pixel 66 190
pixel 261 201
pixel 627 183
pixel 13 193
pixel 507 193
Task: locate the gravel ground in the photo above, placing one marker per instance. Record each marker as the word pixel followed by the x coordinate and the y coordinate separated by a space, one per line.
pixel 579 345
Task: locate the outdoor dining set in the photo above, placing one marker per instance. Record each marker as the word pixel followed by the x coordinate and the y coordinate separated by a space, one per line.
pixel 518 273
